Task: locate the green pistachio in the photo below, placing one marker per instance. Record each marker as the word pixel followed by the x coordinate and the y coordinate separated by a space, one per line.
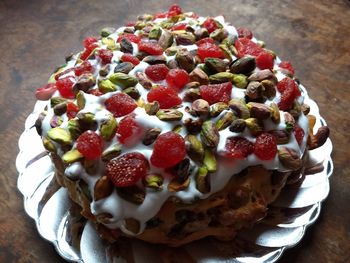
pixel 123 80
pixel 195 148
pixel 218 34
pixel 209 134
pixel 275 113
pixel 60 108
pixel 254 126
pixel 243 65
pixel 105 32
pixel 221 77
pixel 110 43
pixel 239 108
pixel 60 135
pixel 108 128
pixel 74 128
pixel 105 86
pixel 269 88
pixel 240 80
pixel 169 115
pixel 225 120
pixel 217 108
pixel 176 186
pixel 216 65
pixel 56 100
pixel 151 135
pixel 185 38
pixel 238 126
pixel 198 75
pixel 185 60
pixel 81 100
pixel 132 92
pixel 56 121
pixel 111 152
pixel 151 108
pixel 202 180
pixel 87 121
pixel 48 145
pixel 226 50
pixel 155 33
pixel 259 110
pixel 72 156
pixel 209 161
pixel 154 181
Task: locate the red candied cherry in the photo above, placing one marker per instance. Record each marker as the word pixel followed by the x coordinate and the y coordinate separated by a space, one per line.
pixel 129 131
pixel 287 65
pixel 238 147
pixel 287 100
pixel 265 147
pixel 288 83
pixel 72 110
pixel 213 93
pixel 209 50
pixel 298 134
pixel 205 40
pixel 160 15
pixel 265 60
pixel 105 55
pixel 45 92
pixel 180 26
pixel 157 72
pixel 130 24
pixel 245 46
pixel 130 58
pixel 62 73
pixel 210 24
pixel 65 87
pixel 83 68
pixel 152 48
pixel 95 92
pixel 174 10
pixel 177 78
pixel 120 104
pixel 89 144
pixel 244 32
pixel 127 169
pixel 169 149
pixel 89 42
pixel 131 37
pixel 290 91
pixel 166 97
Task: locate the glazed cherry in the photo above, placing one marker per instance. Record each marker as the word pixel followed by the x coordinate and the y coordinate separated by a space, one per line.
pixel 265 146
pixel 129 131
pixel 131 37
pixel 72 110
pixel 238 147
pixel 120 104
pixel 245 46
pixel 45 92
pixel 157 72
pixel 130 58
pixel 216 92
pixel 89 144
pixel 105 55
pixel 287 65
pixel 244 33
pixel 289 92
pixel 180 26
pixel 169 149
pixel 265 60
pixel 84 67
pixel 65 87
pixel 298 134
pixel 209 50
pixel 127 169
pixel 152 48
pixel 166 97
pixel 210 25
pixel 174 10
pixel 177 78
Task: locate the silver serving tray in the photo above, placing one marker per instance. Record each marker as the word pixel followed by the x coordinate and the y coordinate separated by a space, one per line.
pixel 297 208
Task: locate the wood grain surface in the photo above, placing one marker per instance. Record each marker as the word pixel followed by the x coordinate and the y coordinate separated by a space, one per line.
pixel 36 35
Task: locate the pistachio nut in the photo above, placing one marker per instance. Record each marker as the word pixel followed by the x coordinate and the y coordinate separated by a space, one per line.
pixel 237 126
pixel 255 127
pixel 132 92
pixel 60 136
pixel 192 94
pixel 243 65
pixel 124 67
pixel 289 121
pixel 72 156
pixel 74 128
pixel 57 100
pixel 169 115
pixel 269 89
pixel 221 77
pixel 202 180
pixel 145 17
pixel 87 121
pixel 209 160
pixel 84 82
pixel 263 74
pixel 171 51
pixel 176 186
pixel 219 34
pixel 185 60
pixel 39 121
pixel 105 86
pixel 181 170
pixel 155 33
pixel 198 75
pixel 108 127
pixel 295 110
pixel 56 121
pixel 275 113
pixel 126 46
pixel 153 181
pixel 289 158
pixel 106 31
pixel 200 107
pixel 185 38
pixel 317 140
pixel 201 33
pixel 177 128
pixel 48 145
pixel 110 43
pixel 227 51
pixel 305 109
pixel 151 135
pixel 132 194
pixel 254 90
pixel 239 108
pixel 103 188
pixel 193 126
pixel 81 100
pixel 143 80
pixel 104 70
pixel 259 110
pixel 216 65
pixel 123 80
pixel 111 152
pixel 217 108
pixel 153 60
pixel 152 108
pixel 139 25
pixel 60 108
pixel 225 120
pixel 282 136
pixel 209 134
pixel 172 64
pixel 240 80
pixel 194 147
pixel 166 39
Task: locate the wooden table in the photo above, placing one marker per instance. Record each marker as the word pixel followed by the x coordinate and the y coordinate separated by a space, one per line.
pixel 313 35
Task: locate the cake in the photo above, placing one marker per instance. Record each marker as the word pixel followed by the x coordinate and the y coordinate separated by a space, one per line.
pixel 175 128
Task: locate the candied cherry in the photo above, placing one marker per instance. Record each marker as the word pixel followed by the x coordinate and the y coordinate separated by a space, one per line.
pixel 213 93
pixel 89 42
pixel 152 48
pixel 205 41
pixel 289 92
pixel 265 60
pixel 177 78
pixel 210 24
pixel 298 134
pixel 120 104
pixel 157 72
pixel 245 46
pixel 105 55
pixel 166 97
pixel 127 169
pixel 130 58
pixel 65 87
pixel 89 144
pixel 72 110
pixel 209 50
pixel 238 147
pixel 129 131
pixel 287 65
pixel 160 15
pixel 244 32
pixel 45 92
pixel 174 10
pixel 265 146
pixel 131 37
pixel 83 68
pixel 169 149
pixel 180 26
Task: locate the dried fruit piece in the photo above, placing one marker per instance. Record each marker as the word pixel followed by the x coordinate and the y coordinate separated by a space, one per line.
pixel 208 50
pixel 129 131
pixel 157 72
pixel 131 37
pixel 89 144
pixel 177 78
pixel 265 60
pixel 166 97
pixel 45 92
pixel 287 65
pixel 169 149
pixel 290 91
pixel 298 134
pixel 130 58
pixel 244 33
pixel 265 147
pixel 105 55
pixel 120 104
pixel 210 24
pixel 216 92
pixel 72 110
pixel 65 87
pixel 245 46
pixel 127 169
pixel 152 48
pixel 174 10
pixel 238 148
pixel 84 67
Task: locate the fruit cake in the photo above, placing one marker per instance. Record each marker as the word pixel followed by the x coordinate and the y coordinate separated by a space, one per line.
pixel 175 127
